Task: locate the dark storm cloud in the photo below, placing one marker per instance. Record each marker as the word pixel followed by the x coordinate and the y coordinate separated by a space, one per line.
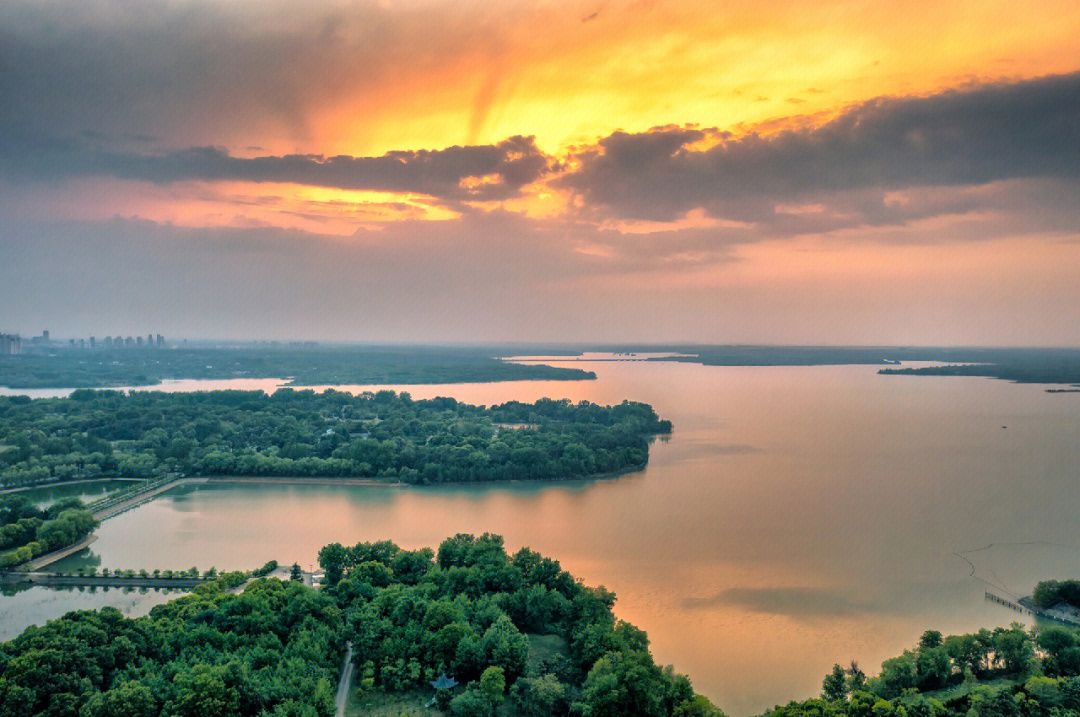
pixel 446 173
pixel 988 133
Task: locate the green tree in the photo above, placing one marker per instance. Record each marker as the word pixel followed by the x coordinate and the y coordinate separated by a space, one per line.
pixel 332 559
pixel 856 680
pixel 493 684
pixel 129 699
pixel 504 646
pixel 834 686
pixel 470 703
pixel 542 696
pixel 623 684
pixel 699 706
pixel 201 692
pixel 1013 646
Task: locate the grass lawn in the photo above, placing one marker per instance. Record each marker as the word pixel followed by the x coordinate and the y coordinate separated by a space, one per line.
pixel 545 647
pixel 390 704
pixel 960 690
pixel 411 704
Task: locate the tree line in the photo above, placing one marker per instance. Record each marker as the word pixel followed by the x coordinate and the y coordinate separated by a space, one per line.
pixel 381 435
pixel 27 531
pixel 298 366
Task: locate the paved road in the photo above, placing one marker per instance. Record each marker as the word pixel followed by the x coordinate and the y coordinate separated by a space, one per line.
pixel 343 683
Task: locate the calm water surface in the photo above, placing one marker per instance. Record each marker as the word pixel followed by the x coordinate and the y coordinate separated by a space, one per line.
pixel 86 491
pixel 797 517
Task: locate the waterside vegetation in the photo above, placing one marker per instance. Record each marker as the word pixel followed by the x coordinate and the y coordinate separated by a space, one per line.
pixel 384 436
pixel 27 531
pixel 1005 672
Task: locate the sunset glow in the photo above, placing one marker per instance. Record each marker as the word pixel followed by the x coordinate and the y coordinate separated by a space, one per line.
pixel 660 143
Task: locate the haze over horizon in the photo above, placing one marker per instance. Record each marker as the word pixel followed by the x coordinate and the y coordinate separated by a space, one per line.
pixel 814 173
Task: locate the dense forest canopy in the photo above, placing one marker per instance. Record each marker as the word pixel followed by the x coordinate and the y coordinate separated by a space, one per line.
pixel 1049 593
pixel 302 366
pixel 274 650
pixel 27 531
pixel 303 433
pixel 470 611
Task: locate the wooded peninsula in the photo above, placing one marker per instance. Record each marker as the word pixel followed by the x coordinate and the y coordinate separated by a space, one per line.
pixel 384 436
pixel 508 634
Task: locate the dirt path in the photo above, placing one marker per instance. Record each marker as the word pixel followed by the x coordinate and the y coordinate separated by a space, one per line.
pixel 343 683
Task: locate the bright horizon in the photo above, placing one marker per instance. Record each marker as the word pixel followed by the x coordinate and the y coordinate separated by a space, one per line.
pixel 427 172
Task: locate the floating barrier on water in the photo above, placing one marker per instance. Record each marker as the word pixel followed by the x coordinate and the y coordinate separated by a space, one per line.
pixel 1049 613
pixel 993 597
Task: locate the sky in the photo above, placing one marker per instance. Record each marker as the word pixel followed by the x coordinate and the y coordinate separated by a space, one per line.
pixel 825 172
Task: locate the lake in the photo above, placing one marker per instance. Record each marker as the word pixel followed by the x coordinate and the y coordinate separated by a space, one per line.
pixel 795 518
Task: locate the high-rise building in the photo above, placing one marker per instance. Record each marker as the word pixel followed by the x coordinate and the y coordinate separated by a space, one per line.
pixel 45 336
pixel 138 341
pixel 160 341
pixel 92 342
pixel 150 341
pixel 10 345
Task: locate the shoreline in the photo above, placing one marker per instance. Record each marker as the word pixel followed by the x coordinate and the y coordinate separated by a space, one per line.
pixel 298 480
pixel 141 498
pixel 55 556
pixel 374 483
pixel 57 484
pixel 137 500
